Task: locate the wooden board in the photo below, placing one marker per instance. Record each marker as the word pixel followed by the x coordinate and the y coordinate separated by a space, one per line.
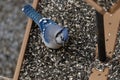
pixel 111 26
pixel 99 75
pixel 24 44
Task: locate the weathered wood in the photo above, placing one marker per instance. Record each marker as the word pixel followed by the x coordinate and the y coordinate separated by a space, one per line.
pixel 111 23
pixel 99 75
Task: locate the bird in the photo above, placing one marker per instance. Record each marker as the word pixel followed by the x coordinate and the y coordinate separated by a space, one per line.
pixel 53 35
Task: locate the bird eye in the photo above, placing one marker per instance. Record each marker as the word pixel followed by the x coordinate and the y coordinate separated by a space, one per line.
pixel 62 38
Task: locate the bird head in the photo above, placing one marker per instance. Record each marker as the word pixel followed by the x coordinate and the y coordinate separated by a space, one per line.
pixel 62 36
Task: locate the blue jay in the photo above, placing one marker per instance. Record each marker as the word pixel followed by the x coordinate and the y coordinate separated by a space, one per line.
pixel 53 35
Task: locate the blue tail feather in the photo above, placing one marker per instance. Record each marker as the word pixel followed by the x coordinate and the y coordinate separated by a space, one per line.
pixel 30 12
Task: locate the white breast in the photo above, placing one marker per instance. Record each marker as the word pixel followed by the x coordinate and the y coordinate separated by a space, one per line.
pixel 51 44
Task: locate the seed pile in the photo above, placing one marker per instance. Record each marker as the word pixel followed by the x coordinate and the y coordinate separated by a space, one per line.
pixel 74 60
pixel 106 4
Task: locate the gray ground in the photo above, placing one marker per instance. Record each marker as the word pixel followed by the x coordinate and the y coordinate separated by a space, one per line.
pixel 12 28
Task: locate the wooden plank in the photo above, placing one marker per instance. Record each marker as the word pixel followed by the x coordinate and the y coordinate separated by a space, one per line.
pixel 111 23
pixel 99 75
pixel 96 6
pixel 115 7
pixel 24 44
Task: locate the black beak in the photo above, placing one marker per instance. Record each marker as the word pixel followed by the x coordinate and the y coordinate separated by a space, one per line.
pixel 63 44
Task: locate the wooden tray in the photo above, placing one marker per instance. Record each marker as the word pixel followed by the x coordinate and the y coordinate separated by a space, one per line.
pixel 96 75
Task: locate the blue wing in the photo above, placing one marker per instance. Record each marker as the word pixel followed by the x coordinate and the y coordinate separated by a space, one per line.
pixel 43 22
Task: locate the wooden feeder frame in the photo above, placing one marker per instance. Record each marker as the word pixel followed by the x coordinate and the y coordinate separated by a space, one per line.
pixel 111 25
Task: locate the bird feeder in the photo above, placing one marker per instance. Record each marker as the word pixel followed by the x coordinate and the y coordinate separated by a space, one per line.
pixel 107 36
